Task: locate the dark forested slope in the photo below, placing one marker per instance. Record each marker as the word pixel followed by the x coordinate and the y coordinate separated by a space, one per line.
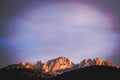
pixel 91 73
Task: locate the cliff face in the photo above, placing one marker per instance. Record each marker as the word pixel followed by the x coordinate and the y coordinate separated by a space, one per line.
pixel 63 64
pixel 55 64
pixel 59 64
pixel 97 61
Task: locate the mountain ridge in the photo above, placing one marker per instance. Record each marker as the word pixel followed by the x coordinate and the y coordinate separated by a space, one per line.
pixel 63 64
pixel 61 68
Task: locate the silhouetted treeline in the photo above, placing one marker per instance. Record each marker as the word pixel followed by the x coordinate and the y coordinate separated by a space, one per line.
pixel 87 73
pixel 91 73
pixel 24 74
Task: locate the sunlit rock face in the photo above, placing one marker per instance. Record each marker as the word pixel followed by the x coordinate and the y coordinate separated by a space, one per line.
pixel 54 65
pixel 97 61
pixel 45 67
pixel 65 64
pixel 86 62
pixel 22 63
pixel 62 64
pixel 27 65
pixel 59 64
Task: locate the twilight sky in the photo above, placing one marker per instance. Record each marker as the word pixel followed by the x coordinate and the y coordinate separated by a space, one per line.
pixel 32 30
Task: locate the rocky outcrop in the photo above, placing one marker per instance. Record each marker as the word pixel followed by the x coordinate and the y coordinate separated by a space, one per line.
pixel 45 67
pixel 54 65
pixel 26 65
pixel 97 61
pixel 108 63
pixel 63 64
pixel 59 64
pixel 86 62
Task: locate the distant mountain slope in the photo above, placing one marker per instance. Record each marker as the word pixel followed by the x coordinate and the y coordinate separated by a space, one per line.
pixel 91 73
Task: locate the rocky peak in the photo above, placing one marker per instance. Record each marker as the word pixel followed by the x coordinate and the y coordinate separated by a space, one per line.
pixel 59 64
pixel 27 65
pixel 54 65
pixel 108 62
pixel 63 64
pixel 86 62
pixel 97 61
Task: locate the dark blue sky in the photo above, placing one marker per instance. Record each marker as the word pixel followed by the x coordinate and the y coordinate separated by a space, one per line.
pixel 32 30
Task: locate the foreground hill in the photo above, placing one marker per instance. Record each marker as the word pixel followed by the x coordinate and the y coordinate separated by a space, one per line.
pixel 87 73
pixel 91 73
pixel 24 74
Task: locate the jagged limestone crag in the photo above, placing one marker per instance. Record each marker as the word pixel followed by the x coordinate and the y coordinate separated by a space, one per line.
pixel 97 61
pixel 63 64
pixel 56 64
